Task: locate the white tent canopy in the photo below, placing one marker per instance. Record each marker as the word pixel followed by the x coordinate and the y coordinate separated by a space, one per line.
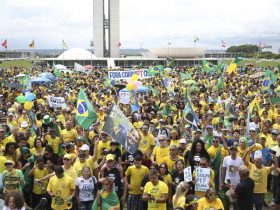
pixel 60 67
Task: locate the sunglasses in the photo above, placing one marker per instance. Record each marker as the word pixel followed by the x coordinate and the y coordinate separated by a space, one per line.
pixel 66 159
pixel 8 164
pixel 160 140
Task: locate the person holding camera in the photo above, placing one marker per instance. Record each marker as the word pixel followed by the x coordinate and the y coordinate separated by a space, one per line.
pixel 155 192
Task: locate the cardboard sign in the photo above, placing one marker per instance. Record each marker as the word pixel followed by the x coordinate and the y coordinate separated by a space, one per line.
pixel 202 179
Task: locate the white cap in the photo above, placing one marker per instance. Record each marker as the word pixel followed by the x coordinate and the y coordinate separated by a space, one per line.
pixel 84 147
pixel 183 141
pixel 252 129
pixel 24 124
pixel 257 154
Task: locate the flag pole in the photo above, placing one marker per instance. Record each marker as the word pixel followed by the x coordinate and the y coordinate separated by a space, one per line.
pixel 6 48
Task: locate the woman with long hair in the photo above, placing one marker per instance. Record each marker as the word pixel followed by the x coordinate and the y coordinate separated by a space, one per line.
pixel 38 149
pixel 86 188
pixel 197 151
pixel 107 198
pixel 178 199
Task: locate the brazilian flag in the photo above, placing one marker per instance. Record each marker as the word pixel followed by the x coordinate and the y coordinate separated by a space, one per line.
pixel 85 112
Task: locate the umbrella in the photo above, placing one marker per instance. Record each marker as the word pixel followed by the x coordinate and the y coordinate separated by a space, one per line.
pixel 48 75
pixel 40 80
pixel 15 85
pixel 60 67
pixel 20 75
pixel 30 96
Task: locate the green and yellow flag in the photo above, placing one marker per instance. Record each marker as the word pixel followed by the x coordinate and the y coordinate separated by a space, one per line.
pixel 85 112
pixel 232 67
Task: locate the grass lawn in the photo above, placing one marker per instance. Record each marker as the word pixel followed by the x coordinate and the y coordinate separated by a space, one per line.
pixel 261 63
pixel 16 63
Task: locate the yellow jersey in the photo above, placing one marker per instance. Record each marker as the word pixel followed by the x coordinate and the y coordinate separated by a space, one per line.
pixel 136 177
pixel 61 187
pixel 156 191
pixel 160 153
pixel 204 204
pixel 40 188
pixel 259 175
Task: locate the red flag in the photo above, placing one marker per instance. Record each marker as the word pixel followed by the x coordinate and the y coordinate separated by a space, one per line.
pixel 223 44
pixel 119 44
pixel 5 44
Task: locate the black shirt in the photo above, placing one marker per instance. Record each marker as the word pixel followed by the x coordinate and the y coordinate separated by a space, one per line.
pixel 244 191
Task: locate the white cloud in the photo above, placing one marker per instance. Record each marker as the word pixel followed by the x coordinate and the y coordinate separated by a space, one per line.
pixel 154 22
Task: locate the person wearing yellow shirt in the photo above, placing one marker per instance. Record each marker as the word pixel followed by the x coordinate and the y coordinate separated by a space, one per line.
pixel 276 125
pixel 161 151
pixel 23 127
pixel 103 146
pixel 12 137
pixel 2 163
pixel 172 157
pixel 155 192
pixel 82 161
pixel 61 188
pixel 53 141
pixel 39 188
pixel 210 201
pixel 147 142
pixel 69 134
pixel 38 149
pixel 271 142
pixel 242 148
pixel 11 122
pixel 135 174
pixel 259 174
pixel 24 118
pixel 178 199
pixel 217 153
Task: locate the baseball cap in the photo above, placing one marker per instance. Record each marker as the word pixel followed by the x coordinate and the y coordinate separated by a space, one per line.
pixel 24 150
pixel 46 119
pixel 84 147
pixel 68 156
pixel 209 127
pixel 24 124
pixel 252 129
pixel 110 157
pixel 9 162
pixel 183 141
pixel 274 131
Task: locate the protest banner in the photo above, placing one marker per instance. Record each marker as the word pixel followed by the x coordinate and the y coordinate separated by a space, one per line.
pixel 121 130
pixel 202 179
pixel 118 75
pixel 55 102
pixel 124 97
pixel 188 174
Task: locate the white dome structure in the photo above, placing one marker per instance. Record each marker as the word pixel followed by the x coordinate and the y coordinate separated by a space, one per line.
pixel 76 54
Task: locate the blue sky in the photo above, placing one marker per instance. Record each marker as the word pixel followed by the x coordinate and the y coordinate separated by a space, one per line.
pixel 151 22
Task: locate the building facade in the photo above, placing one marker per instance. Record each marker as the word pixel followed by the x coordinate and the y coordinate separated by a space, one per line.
pixel 106 28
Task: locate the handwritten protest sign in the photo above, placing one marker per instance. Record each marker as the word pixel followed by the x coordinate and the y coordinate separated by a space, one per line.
pixel 55 102
pixel 202 179
pixel 188 174
pixel 124 97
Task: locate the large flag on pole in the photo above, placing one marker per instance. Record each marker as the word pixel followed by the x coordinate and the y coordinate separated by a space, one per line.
pixel 32 44
pixel 85 112
pixel 223 44
pixel 63 44
pixel 121 130
pixel 190 115
pixel 5 43
pixel 91 44
pixel 233 65
pixel 195 39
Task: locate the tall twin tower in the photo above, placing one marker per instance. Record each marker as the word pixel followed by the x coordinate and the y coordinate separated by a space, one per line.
pixel 106 28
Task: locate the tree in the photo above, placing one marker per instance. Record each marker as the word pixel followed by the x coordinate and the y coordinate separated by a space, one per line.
pixel 246 49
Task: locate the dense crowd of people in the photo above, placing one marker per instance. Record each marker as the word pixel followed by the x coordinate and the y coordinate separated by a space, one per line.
pixel 48 161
